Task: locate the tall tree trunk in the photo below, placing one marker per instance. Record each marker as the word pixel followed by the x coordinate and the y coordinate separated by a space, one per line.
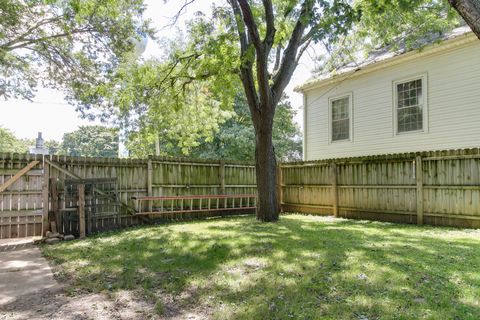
pixel 266 173
pixel 264 93
pixel 470 12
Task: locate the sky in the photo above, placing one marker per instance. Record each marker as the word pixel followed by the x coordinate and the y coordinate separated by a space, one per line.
pixel 50 114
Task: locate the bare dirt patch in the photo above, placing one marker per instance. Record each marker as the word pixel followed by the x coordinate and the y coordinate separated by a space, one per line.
pixel 123 305
pixel 51 305
pixel 29 290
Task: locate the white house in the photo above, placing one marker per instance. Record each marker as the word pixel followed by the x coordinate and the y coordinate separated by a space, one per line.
pixel 421 100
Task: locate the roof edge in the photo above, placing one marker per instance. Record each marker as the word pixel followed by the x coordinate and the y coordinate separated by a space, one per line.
pixel 460 40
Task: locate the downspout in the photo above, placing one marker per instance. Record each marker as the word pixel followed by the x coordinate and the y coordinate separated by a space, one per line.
pixel 304 126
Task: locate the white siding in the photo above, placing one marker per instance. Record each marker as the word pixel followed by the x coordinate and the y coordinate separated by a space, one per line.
pixel 453 84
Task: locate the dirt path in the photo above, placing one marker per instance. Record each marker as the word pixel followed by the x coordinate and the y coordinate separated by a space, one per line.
pixel 23 271
pixel 28 290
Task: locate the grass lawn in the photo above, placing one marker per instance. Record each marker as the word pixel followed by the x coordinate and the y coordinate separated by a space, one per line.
pixel 302 267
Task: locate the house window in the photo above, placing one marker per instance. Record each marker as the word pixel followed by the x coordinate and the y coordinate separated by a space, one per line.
pixel 409 105
pixel 341 115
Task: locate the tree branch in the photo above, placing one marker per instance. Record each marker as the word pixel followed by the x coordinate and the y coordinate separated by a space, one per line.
pixel 470 12
pixel 270 21
pixel 249 22
pixel 246 74
pixel 288 64
pixel 240 26
pixel 28 32
pixel 308 36
pixel 278 56
pixel 175 18
pixel 302 50
pixel 262 50
pixel 29 41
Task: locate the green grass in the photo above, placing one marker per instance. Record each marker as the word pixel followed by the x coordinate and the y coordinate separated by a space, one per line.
pixel 302 267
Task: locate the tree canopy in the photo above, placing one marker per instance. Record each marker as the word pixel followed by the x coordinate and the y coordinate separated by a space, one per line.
pixel 135 98
pixel 90 141
pixel 63 43
pixel 234 140
pixel 10 143
pixel 256 43
pixel 390 25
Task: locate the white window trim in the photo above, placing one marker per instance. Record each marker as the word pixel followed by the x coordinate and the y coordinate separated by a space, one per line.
pixel 350 113
pixel 424 78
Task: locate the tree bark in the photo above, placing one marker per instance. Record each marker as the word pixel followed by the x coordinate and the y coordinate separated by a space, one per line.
pixel 266 173
pixel 470 12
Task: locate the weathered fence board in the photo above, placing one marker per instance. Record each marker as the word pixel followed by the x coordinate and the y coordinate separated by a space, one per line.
pixel 21 200
pixel 437 188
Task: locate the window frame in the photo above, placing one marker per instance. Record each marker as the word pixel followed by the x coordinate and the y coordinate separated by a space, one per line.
pixel 424 103
pixel 348 95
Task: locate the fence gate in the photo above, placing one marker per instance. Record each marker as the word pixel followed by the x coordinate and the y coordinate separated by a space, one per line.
pixel 90 205
pixel 21 196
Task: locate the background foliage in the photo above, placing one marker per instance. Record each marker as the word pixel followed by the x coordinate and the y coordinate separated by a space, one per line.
pixel 397 25
pixel 90 141
pixel 10 143
pixel 63 44
pixel 234 140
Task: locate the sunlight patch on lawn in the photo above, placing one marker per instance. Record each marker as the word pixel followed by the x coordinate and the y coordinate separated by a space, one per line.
pixel 302 267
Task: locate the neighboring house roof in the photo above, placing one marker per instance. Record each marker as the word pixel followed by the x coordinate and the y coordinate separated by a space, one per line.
pixel 385 57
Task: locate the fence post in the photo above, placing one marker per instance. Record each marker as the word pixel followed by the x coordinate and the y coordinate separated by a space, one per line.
pixel 333 174
pixel 221 176
pixel 279 187
pixel 45 197
pixel 419 179
pixel 149 183
pixel 55 223
pixel 81 210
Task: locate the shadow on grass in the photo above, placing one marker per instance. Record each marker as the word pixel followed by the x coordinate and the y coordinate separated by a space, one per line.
pixel 299 268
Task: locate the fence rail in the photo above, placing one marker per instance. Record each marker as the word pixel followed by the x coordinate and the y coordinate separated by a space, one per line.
pixel 208 204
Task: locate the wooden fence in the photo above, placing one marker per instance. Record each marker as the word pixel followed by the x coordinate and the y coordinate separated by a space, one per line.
pixel 21 195
pixel 135 178
pixel 435 188
pixel 158 176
